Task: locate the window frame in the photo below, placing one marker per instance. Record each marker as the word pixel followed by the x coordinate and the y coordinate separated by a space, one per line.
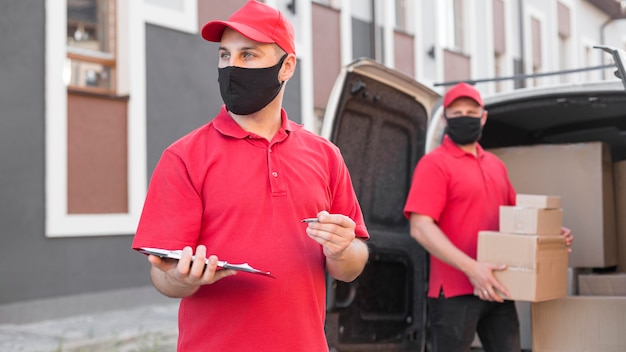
pixel 184 21
pixel 58 223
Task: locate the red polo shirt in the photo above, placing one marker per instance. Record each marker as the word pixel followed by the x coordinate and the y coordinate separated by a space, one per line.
pixel 463 194
pixel 243 197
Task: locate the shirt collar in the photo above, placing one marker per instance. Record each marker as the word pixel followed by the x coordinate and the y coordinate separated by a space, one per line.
pixel 225 124
pixel 456 151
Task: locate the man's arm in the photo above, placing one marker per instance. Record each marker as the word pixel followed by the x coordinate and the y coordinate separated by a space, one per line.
pixel 184 277
pixel 346 255
pixel 349 265
pixel 429 235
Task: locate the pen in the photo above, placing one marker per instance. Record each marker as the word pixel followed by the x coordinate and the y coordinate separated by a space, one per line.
pixel 310 220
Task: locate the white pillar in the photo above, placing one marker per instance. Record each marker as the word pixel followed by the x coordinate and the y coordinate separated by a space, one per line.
pixel 345 28
pixel 389 9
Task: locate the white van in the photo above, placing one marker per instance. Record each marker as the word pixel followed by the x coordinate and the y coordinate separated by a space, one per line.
pixel 384 122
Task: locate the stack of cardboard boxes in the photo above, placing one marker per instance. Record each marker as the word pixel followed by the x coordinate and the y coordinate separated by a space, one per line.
pixel 530 245
pixel 593 197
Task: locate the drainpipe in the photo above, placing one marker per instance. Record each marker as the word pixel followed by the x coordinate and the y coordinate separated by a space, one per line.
pixel 520 11
pixel 376 42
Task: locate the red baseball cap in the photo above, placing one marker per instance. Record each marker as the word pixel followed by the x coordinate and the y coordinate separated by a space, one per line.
pixel 257 21
pixel 462 90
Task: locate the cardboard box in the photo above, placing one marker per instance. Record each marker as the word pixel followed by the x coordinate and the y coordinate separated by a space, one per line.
pixel 619 177
pixel 577 324
pixel 582 175
pixel 531 221
pixel 524 314
pixel 607 284
pixel 536 265
pixel 537 201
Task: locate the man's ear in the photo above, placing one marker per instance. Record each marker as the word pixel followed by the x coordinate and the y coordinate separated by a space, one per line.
pixel 483 119
pixel 289 67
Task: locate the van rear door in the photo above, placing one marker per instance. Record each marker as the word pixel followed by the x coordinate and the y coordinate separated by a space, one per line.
pixel 378 118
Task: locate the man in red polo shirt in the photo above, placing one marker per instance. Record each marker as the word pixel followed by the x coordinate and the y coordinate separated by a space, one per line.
pixel 238 188
pixel 456 191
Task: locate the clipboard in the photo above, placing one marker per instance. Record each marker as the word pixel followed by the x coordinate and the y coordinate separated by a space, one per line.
pixel 176 254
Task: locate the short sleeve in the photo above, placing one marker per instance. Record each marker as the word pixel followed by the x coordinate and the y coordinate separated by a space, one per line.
pixel 172 212
pixel 428 191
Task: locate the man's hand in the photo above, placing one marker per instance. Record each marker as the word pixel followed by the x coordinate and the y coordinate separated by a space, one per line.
pixel 334 232
pixel 345 254
pixel 485 284
pixel 569 238
pixel 181 278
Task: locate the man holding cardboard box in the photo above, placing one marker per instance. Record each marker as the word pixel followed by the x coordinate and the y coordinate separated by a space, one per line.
pixel 456 192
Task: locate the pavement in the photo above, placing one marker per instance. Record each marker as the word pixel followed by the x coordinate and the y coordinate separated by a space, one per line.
pixel 150 328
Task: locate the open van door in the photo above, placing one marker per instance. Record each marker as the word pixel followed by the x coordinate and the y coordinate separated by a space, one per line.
pixel 378 118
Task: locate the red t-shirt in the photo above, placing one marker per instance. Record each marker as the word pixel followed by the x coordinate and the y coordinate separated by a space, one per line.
pixel 463 194
pixel 243 197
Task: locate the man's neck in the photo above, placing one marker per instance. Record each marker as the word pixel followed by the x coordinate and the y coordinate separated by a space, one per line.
pixel 470 148
pixel 265 122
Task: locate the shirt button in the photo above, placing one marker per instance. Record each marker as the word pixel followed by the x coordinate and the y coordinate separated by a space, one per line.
pixel 275 174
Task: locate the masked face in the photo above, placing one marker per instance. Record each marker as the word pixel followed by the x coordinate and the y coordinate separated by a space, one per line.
pixel 248 90
pixel 464 130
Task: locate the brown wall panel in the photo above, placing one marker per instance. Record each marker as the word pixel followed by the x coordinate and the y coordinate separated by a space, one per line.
pixel 404 53
pixel 97 155
pixel 564 19
pixel 326 52
pixel 456 66
pixel 536 41
pixel 499 34
pixel 217 10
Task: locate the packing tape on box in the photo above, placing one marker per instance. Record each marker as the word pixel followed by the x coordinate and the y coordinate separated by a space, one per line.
pixel 520 268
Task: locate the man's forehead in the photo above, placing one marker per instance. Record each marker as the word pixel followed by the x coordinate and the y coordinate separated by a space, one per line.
pixel 233 40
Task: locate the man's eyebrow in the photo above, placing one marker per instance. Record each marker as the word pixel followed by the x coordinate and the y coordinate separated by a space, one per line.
pixel 245 48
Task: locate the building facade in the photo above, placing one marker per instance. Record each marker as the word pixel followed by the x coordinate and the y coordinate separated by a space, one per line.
pixel 92 91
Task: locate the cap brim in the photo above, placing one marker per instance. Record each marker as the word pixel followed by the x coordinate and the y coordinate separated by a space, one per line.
pixel 213 31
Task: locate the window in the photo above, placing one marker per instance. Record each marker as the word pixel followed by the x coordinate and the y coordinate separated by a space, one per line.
pixel 95 120
pixel 564 31
pixel 91 43
pixel 401 15
pixel 456 25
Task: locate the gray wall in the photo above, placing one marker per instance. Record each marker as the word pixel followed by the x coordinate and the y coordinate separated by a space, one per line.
pixel 362 41
pixel 182 92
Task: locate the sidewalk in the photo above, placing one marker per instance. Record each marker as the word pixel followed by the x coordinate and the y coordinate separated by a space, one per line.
pixel 147 329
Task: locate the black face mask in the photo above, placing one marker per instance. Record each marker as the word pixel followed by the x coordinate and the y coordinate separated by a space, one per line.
pixel 464 130
pixel 248 90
